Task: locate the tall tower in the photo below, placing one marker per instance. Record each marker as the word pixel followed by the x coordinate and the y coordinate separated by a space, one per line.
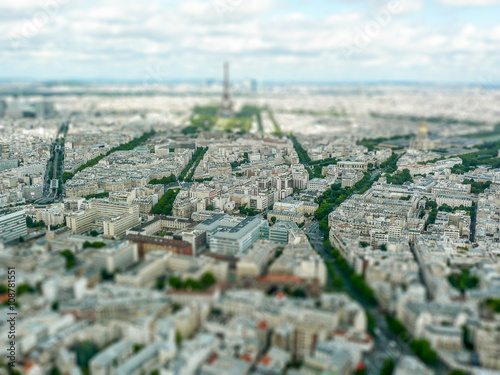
pixel 226 105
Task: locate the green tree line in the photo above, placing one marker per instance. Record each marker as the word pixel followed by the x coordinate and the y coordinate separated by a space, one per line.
pixel 123 147
pixel 165 204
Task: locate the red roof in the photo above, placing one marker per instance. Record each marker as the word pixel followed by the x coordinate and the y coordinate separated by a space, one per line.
pixel 28 366
pixel 280 295
pixel 265 360
pixel 262 324
pixel 246 357
pixel 212 358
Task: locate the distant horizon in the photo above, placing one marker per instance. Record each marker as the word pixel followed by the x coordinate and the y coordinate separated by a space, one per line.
pixel 213 80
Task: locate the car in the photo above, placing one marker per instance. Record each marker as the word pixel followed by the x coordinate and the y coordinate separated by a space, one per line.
pixel 392 344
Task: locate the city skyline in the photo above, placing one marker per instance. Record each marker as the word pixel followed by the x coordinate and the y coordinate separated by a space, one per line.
pixel 250 187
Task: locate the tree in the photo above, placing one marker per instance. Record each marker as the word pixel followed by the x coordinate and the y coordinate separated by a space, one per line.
pixel 175 282
pixel 423 350
pixel 84 352
pixel 94 233
pixel 463 280
pixel 207 280
pixel 23 289
pixel 34 224
pixel 430 205
pixel 493 304
pixel 388 367
pixel 96 244
pixel 273 219
pixel 178 338
pixel 400 178
pixel 299 293
pixel 395 325
pixel 160 282
pixel 192 284
pixel 70 258
pixel 106 275
pixel 164 206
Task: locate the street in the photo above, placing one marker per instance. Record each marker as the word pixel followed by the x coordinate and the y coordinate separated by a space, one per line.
pixel 386 343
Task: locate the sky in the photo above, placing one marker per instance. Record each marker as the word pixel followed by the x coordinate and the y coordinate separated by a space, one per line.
pixel 448 41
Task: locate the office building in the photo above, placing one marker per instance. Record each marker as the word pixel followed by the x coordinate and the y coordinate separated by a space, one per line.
pixel 12 225
pixel 117 257
pixel 228 235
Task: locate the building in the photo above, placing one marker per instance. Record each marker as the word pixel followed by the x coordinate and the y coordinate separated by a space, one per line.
pixel 261 201
pixel 422 141
pixel 286 215
pixel 185 206
pixel 280 232
pixel 161 223
pixel 33 192
pixel 81 188
pixel 486 337
pixel 228 235
pixel 300 261
pixel 146 203
pixel 350 178
pixel 328 356
pixel 300 179
pixel 81 221
pixel 8 164
pixel 254 261
pixel 150 243
pixel 70 288
pixel 318 184
pixel 114 217
pixel 51 215
pixel 12 225
pixel 143 274
pixel 454 200
pixel 106 361
pixel 117 226
pixel 148 359
pixel 118 257
pixel 354 165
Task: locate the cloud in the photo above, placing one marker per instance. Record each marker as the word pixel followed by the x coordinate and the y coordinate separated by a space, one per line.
pixel 460 3
pixel 262 38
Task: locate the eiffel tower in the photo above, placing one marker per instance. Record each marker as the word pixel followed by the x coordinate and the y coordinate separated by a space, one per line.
pixel 226 105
